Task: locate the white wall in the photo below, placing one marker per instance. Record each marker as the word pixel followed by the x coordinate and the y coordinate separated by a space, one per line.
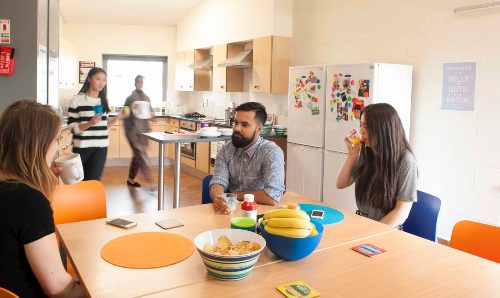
pixel 457 152
pixel 91 41
pixel 215 22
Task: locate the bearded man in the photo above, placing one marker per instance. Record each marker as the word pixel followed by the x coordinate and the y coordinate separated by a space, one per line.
pixel 248 164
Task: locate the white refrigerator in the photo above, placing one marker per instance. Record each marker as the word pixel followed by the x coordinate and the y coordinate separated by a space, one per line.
pixel 348 89
pixel 306 126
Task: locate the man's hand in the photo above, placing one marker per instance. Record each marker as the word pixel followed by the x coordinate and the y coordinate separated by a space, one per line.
pixel 220 205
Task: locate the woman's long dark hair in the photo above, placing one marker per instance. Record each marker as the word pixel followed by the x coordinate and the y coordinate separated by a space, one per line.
pixel 378 176
pixel 103 94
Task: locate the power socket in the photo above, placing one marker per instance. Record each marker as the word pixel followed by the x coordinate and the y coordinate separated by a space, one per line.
pixel 205 102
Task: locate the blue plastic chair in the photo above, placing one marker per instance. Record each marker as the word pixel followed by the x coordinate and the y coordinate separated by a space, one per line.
pixel 205 190
pixel 422 219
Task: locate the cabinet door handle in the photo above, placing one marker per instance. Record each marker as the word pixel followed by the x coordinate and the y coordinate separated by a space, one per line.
pixel 222 87
pixel 256 86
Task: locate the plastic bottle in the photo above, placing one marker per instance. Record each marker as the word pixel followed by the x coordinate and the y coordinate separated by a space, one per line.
pixel 249 207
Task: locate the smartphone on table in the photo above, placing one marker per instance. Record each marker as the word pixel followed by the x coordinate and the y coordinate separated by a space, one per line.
pixel 122 223
pixel 317 214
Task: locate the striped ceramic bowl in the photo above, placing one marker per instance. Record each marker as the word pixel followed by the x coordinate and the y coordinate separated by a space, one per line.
pixel 226 267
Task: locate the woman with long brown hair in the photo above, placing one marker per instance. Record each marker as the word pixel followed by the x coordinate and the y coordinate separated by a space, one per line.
pixel 382 167
pixel 30 263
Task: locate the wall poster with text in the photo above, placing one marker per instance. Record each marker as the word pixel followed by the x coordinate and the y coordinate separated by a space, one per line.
pixel 459 86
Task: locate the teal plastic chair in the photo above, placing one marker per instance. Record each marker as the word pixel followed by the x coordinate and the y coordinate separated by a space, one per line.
pixel 205 189
pixel 422 220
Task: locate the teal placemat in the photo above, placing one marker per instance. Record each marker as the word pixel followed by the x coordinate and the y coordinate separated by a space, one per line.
pixel 330 217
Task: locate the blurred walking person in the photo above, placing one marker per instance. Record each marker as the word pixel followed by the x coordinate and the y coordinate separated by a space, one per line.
pixel 134 129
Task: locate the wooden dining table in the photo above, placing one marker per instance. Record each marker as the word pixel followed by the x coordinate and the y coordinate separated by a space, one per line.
pixel 410 263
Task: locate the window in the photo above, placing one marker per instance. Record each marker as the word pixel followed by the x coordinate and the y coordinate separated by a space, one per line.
pixel 123 69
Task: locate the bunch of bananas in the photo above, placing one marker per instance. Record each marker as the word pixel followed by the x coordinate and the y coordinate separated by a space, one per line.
pixel 288 223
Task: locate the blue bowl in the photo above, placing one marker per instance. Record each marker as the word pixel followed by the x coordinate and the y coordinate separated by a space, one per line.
pixel 292 249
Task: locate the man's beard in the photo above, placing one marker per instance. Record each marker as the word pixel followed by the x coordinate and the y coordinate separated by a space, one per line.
pixel 239 141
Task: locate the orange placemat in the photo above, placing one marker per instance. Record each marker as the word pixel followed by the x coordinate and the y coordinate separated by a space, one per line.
pixel 147 250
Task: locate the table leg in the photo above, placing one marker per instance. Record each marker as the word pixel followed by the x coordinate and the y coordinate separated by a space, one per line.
pixel 161 178
pixel 177 174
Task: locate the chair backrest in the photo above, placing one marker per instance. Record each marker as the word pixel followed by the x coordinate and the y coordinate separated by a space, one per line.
pixel 4 293
pixel 477 238
pixel 422 220
pixel 205 189
pixel 78 202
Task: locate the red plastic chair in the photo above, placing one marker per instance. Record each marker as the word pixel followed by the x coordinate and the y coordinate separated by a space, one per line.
pixel 478 239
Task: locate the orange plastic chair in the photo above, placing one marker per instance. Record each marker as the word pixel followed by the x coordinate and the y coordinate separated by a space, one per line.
pixel 4 293
pixel 478 239
pixel 78 202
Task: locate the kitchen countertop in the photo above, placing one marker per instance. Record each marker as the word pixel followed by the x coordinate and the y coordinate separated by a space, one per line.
pixel 218 122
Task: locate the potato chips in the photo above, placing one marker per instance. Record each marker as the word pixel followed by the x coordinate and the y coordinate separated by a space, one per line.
pixel 225 247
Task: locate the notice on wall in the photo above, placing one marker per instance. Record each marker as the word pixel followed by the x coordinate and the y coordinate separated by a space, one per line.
pixel 459 86
pixel 4 31
pixel 85 67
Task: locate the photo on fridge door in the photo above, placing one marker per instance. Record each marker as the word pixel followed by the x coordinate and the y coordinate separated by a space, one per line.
pixel 306 87
pixel 364 88
pixel 357 105
pixel 341 96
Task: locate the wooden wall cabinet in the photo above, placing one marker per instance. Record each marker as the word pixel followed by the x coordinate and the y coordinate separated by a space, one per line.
pixel 184 76
pixel 271 60
pixel 227 79
pixel 202 77
pixel 189 79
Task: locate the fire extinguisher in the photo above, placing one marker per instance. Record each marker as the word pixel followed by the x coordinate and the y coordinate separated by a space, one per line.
pixel 7 57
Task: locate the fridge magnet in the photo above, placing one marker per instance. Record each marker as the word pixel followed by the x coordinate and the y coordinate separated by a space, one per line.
pixel 346 84
pixel 364 88
pixel 357 105
pixel 335 85
pixel 305 86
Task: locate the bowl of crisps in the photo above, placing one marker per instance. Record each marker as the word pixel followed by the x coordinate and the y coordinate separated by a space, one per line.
pixel 229 254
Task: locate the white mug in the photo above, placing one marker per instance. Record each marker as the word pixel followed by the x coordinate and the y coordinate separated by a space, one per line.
pixel 72 168
pixel 142 109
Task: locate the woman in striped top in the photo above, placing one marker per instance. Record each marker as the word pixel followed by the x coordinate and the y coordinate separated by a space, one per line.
pixel 90 129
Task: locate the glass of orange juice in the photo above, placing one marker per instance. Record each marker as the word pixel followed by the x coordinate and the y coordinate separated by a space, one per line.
pixel 353 139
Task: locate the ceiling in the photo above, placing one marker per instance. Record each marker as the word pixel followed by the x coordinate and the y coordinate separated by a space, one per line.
pixel 126 12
